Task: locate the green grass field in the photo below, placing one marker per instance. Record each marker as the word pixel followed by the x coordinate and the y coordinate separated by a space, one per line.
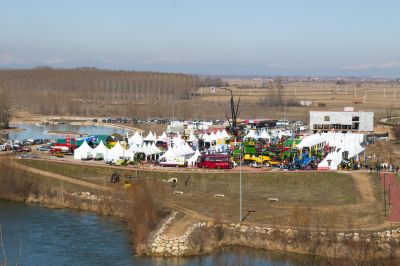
pixel 301 187
pixel 322 195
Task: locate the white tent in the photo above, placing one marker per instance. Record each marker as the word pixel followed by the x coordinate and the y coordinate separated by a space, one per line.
pixel 163 137
pixel 187 149
pixel 213 137
pixel 225 134
pixel 206 137
pixel 115 153
pixel 192 138
pixel 285 133
pixel 264 135
pixel 169 154
pixel 219 135
pixel 311 141
pixel 251 135
pixel 83 151
pixel 192 160
pixel 331 161
pixel 154 149
pixel 150 137
pixel 349 142
pixel 100 149
pixel 130 153
pixel 177 140
pixel 136 140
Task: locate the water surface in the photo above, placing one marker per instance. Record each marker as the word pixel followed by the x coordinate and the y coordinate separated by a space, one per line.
pixel 33 131
pixel 69 237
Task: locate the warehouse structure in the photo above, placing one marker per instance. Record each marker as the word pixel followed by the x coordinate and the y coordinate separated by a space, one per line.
pixel 342 121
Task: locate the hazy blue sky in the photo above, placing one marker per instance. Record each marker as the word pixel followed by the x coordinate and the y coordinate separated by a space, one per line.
pixel 269 37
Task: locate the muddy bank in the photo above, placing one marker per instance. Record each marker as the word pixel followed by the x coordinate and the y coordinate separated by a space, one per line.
pixel 60 132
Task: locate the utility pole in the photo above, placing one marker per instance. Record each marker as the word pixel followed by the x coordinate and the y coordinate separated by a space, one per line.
pixel 240 185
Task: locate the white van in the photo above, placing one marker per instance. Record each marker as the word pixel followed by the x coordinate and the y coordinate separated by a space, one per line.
pixel 282 123
pixel 173 162
pixel 3 147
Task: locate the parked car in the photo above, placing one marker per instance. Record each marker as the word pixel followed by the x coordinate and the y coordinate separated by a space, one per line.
pixel 37 141
pixel 43 148
pixel 26 149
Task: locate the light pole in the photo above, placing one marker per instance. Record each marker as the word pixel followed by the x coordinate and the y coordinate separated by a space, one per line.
pixel 234 115
pixel 240 185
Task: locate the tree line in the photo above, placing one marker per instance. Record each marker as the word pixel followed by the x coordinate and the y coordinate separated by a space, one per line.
pixel 85 91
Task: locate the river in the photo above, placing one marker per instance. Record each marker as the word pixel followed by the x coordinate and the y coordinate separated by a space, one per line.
pixel 46 236
pixel 33 131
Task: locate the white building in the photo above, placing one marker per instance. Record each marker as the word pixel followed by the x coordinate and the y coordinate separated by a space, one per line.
pixel 342 121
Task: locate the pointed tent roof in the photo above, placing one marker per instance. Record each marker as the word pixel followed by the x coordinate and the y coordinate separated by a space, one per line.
pixel 206 137
pixel 163 137
pixel 264 135
pixel 154 149
pixel 169 154
pixel 225 134
pixel 193 159
pixel 177 140
pixel 179 151
pixel 82 151
pixel 188 149
pixel 150 137
pixel 136 138
pixel 101 148
pixel 219 135
pixel 192 137
pixel 116 152
pixel 251 135
pixel 213 137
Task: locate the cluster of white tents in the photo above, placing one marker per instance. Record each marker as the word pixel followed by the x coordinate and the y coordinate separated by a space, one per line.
pixel 264 134
pixel 137 144
pixel 182 150
pixel 340 143
pixel 216 140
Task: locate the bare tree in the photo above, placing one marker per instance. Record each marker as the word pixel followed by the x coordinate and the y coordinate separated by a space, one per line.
pixel 5 111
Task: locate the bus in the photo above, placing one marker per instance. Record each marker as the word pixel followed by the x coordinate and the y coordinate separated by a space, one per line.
pixel 215 161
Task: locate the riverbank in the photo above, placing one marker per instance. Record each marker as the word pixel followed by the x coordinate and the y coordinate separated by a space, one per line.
pixel 200 235
pixel 206 237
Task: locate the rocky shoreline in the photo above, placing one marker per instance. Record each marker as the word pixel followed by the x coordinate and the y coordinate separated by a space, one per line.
pixel 205 237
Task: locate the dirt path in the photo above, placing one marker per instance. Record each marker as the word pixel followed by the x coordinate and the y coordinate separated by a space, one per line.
pixel 178 227
pixel 180 224
pixel 61 177
pixel 364 185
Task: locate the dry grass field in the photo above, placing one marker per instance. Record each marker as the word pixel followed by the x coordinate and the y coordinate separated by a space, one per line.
pixel 381 97
pixel 344 200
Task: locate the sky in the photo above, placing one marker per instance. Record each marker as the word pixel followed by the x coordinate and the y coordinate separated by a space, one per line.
pixel 217 37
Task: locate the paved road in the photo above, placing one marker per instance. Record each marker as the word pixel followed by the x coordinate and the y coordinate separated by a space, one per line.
pixel 392 187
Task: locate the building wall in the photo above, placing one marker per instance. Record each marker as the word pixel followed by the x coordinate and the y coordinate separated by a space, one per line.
pixel 366 119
